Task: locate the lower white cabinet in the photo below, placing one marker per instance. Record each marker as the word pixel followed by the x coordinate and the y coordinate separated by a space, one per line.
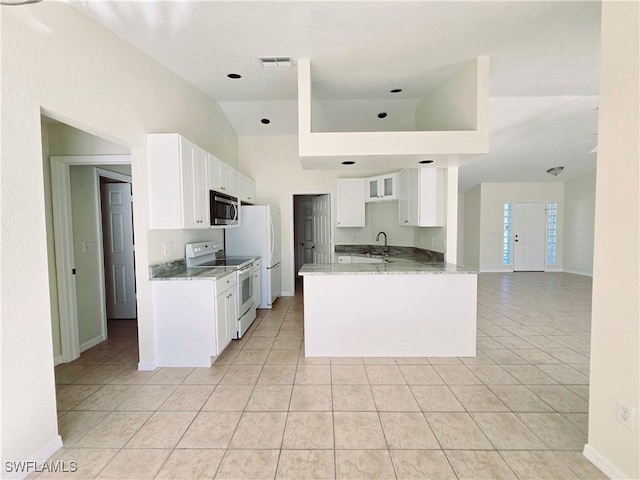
pixel 421 197
pixel 195 320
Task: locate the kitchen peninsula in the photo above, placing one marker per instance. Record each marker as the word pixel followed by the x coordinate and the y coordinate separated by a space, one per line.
pixel 398 307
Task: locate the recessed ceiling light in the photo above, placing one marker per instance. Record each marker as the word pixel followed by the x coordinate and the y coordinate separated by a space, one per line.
pixel 555 171
pixel 396 90
pixel 348 162
pixel 234 75
pixel 382 114
pixel 265 121
pixel 425 161
pixel 15 3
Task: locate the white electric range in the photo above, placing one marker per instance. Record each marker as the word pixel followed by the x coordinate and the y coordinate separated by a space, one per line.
pixel 210 255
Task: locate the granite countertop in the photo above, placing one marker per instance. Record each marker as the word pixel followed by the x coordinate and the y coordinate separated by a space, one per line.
pixel 402 260
pixel 177 270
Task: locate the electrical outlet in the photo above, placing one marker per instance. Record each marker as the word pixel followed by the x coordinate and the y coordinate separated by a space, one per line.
pixel 167 248
pixel 626 415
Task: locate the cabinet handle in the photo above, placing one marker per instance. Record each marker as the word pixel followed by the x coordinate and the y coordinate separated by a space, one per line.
pixel 406 221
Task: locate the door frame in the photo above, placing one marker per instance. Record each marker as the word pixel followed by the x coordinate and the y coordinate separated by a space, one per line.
pixel 292 226
pixel 63 245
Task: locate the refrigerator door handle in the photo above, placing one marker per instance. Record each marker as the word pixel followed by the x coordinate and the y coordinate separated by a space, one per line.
pixel 272 234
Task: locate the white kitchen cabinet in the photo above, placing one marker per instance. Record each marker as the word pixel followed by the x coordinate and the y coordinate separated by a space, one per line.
pixel 344 258
pixel 256 283
pixel 247 190
pixel 382 188
pixel 195 320
pixel 178 190
pixel 222 178
pixel 226 312
pixel 421 197
pixel 350 202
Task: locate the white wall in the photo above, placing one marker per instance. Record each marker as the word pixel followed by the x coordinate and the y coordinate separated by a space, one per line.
pixel 579 217
pixel 471 237
pixel 493 198
pixel 615 326
pixel 57 61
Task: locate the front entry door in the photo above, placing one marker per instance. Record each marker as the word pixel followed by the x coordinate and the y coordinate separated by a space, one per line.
pixel 117 224
pixel 529 235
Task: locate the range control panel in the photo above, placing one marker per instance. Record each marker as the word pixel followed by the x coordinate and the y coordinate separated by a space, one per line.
pixel 199 249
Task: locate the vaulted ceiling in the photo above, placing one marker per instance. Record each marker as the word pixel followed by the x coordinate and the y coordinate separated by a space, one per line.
pixel 544 67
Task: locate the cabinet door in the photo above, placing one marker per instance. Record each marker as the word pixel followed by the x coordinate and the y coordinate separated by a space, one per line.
pixel 194 186
pixel 373 189
pixel 387 186
pixel 228 179
pixel 223 335
pixel 407 192
pixel 256 284
pixel 214 173
pixel 231 314
pixel 431 197
pixel 247 190
pixel 350 204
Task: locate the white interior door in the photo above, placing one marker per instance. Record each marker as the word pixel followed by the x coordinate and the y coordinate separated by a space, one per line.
pixel 305 237
pixel 117 221
pixel 529 236
pixel 322 229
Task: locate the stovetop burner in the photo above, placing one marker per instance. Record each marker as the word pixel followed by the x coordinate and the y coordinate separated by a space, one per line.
pixel 225 262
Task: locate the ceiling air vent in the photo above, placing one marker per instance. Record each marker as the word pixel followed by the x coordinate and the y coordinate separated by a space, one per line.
pixel 276 62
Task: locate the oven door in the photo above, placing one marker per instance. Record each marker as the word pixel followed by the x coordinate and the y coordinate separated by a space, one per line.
pixel 245 290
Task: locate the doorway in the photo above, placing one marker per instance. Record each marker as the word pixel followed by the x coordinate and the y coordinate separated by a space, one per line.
pixel 79 248
pixel 116 206
pixel 529 236
pixel 311 230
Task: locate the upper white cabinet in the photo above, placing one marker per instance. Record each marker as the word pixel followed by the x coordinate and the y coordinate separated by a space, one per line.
pixel 247 190
pixel 178 190
pixel 421 197
pixel 382 188
pixel 180 177
pixel 222 178
pixel 350 204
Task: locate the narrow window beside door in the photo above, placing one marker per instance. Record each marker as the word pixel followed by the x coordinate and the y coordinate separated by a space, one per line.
pixel 506 237
pixel 552 217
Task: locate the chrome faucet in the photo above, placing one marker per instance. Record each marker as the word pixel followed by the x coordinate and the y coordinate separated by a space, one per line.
pixel 386 248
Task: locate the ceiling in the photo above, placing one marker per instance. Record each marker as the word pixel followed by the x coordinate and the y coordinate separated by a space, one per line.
pixel 544 67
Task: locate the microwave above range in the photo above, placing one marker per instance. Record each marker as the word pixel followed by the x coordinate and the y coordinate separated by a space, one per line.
pixel 224 210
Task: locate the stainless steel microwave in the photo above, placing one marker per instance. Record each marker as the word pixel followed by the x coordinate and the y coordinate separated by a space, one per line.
pixel 224 209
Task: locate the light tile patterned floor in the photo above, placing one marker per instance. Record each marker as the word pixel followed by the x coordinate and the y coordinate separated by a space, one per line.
pixel 517 410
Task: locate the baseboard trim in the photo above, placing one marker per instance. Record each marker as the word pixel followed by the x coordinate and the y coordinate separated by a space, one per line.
pixel 603 463
pixel 287 294
pixel 39 458
pixel 493 270
pixel 92 343
pixel 146 366
pixel 576 272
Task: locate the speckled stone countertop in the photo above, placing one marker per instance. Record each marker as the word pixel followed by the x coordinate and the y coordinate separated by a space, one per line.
pixel 177 270
pixel 402 261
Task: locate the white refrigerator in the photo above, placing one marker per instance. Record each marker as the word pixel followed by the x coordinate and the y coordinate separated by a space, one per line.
pixel 259 235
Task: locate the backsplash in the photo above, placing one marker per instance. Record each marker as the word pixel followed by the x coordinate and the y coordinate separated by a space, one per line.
pixel 415 253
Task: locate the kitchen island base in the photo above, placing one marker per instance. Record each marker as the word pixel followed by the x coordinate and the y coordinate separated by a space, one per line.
pixel 401 315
